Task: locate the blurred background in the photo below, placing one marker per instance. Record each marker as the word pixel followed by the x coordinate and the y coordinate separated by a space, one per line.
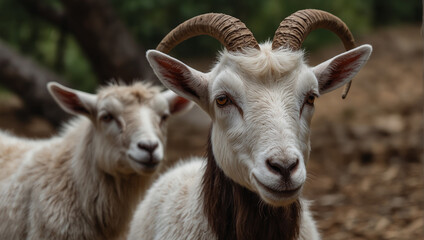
pixel 366 168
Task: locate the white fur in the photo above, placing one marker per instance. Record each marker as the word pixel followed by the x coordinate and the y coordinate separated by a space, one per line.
pixel 268 119
pixel 82 184
pixel 172 210
pixel 174 195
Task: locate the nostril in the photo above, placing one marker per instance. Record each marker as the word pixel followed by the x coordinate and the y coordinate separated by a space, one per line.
pixel 154 146
pixel 149 147
pixel 281 168
pixel 293 166
pixel 275 167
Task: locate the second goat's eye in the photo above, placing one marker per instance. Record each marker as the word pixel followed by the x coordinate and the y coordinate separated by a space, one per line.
pixel 222 100
pixel 107 118
pixel 164 117
pixel 310 99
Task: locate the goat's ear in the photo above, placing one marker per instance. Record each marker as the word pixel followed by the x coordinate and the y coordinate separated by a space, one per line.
pixel 177 76
pixel 176 103
pixel 339 70
pixel 73 101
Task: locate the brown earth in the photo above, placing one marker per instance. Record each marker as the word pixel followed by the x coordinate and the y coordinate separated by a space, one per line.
pixel 366 170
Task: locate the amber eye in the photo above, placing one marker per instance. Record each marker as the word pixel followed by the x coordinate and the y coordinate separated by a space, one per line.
pixel 107 118
pixel 222 100
pixel 310 99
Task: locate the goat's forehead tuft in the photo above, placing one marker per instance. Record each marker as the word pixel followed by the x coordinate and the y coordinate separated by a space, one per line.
pixel 263 64
pixel 129 94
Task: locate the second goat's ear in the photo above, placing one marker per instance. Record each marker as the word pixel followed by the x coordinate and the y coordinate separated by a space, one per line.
pixel 177 76
pixel 73 101
pixel 339 70
pixel 176 103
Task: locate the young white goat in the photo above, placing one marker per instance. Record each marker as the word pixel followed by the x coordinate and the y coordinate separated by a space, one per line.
pixel 261 101
pixel 86 182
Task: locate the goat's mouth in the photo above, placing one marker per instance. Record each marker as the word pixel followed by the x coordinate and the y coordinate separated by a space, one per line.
pixel 279 193
pixel 145 165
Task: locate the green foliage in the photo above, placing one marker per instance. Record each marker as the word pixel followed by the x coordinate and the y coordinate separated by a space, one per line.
pixel 151 20
pixel 77 68
pixel 262 17
pixel 4 93
pixel 388 12
pixel 36 39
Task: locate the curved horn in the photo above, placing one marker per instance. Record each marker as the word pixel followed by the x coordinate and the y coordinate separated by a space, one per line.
pixel 230 31
pixel 295 28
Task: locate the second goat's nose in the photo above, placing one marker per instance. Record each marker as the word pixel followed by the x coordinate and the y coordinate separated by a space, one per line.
pixel 149 147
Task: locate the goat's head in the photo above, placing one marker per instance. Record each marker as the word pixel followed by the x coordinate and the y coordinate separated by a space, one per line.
pixel 260 97
pixel 128 123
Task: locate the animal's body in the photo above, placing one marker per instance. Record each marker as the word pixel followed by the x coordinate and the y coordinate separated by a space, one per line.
pixel 174 209
pixel 85 182
pixel 260 98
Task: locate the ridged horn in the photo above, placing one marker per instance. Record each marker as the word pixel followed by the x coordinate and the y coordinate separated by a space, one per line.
pixel 294 29
pixel 230 31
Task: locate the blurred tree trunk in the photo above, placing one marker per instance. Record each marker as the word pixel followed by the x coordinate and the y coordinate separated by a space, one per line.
pixel 59 58
pixel 111 49
pixel 29 80
pixel 104 39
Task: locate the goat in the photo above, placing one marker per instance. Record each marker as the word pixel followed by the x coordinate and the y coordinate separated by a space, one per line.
pixel 261 101
pixel 86 182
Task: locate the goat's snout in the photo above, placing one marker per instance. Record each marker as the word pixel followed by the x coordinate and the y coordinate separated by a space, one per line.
pixel 149 147
pixel 282 167
pixel 146 153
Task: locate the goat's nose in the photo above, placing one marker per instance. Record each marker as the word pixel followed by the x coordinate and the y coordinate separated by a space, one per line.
pixel 149 147
pixel 282 168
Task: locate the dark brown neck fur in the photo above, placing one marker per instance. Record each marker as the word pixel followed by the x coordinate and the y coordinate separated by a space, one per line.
pixel 234 212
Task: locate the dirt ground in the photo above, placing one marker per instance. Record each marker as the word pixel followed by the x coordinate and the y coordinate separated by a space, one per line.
pixel 366 170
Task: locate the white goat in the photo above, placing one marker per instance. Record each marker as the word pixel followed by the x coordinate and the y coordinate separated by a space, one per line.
pixel 86 182
pixel 261 101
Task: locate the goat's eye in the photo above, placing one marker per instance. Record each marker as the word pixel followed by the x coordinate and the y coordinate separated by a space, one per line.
pixel 107 118
pixel 310 100
pixel 222 100
pixel 164 117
